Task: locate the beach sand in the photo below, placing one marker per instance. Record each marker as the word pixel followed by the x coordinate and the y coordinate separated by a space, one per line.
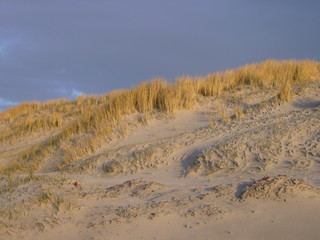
pixel 192 175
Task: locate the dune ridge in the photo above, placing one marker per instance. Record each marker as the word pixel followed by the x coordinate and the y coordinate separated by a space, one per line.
pixel 241 162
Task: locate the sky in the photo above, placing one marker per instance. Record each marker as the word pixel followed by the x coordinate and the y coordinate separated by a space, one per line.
pixel 63 48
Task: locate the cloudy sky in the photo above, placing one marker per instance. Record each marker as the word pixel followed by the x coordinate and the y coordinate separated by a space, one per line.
pixel 62 48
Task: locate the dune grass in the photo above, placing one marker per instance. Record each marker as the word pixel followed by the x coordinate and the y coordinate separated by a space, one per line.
pixel 80 127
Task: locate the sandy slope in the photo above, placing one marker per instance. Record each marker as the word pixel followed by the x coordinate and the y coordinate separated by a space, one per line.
pixel 257 177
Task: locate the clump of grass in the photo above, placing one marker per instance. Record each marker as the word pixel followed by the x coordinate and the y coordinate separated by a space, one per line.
pixel 45 197
pixel 48 197
pixel 12 181
pixel 57 202
pixel 124 129
pixel 213 85
pixel 286 92
pixel 238 110
pixel 145 118
pixel 211 121
pixel 145 96
pixel 223 114
pixel 31 174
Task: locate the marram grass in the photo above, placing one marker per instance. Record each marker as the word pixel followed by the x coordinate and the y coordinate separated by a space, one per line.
pixel 78 128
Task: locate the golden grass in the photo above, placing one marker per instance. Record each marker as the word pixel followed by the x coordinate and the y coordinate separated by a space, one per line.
pixel 56 200
pixel 210 120
pixel 12 182
pixel 144 118
pixel 238 110
pixel 286 91
pixel 84 125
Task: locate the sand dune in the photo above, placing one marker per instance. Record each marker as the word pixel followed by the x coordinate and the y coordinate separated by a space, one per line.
pixel 182 177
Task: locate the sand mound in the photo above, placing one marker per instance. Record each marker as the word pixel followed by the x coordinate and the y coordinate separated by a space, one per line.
pixel 222 190
pixel 261 145
pixel 136 187
pixel 136 158
pixel 278 188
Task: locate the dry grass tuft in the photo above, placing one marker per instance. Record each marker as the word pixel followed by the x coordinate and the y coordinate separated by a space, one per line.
pixel 211 121
pixel 238 110
pixel 286 92
pixel 145 118
pixel 224 116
